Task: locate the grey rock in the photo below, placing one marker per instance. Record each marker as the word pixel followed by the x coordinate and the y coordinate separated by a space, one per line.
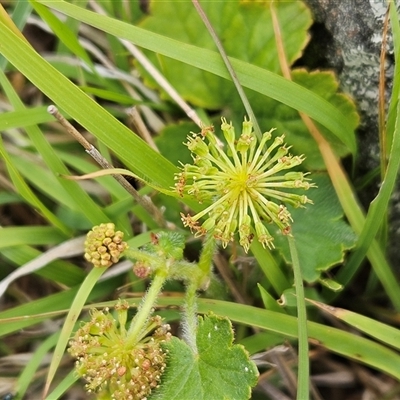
pixel 350 39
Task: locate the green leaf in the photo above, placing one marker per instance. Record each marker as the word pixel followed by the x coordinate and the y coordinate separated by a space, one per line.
pixel 344 343
pixel 219 371
pixel 272 114
pixel 22 118
pixel 60 271
pixel 169 244
pixel 255 42
pixel 33 235
pixel 27 194
pixel 82 200
pixel 171 139
pixel 321 234
pixel 133 151
pixel 383 332
pixel 256 45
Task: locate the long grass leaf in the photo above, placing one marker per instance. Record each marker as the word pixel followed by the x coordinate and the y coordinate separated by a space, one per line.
pixel 63 33
pixel 376 214
pixel 23 118
pixel 303 379
pixel 72 317
pixel 384 333
pixel 31 235
pixel 28 374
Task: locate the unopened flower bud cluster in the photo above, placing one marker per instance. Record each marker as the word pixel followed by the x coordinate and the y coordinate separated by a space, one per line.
pixel 104 245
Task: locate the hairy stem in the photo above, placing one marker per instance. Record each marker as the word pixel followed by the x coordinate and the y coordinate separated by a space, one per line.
pixel 138 323
pixel 189 322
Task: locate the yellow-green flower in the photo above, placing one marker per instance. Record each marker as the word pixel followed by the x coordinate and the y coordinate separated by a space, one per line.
pixel 247 184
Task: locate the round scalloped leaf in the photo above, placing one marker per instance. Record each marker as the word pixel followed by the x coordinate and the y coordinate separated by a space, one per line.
pixel 220 370
pixel 320 232
pixel 246 31
pixel 272 114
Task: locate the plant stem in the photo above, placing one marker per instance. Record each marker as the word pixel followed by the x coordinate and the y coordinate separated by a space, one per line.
pixel 304 368
pixel 138 323
pixel 189 322
pixel 207 253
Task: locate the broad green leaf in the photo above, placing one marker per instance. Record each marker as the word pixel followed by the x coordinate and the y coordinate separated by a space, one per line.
pixel 250 76
pixel 171 141
pixel 220 370
pixel 246 31
pixel 255 44
pixel 321 234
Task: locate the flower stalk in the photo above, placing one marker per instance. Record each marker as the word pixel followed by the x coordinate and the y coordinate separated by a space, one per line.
pixel 138 324
pixel 189 320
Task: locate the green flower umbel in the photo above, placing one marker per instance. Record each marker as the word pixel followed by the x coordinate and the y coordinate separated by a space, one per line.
pixel 247 185
pixel 114 366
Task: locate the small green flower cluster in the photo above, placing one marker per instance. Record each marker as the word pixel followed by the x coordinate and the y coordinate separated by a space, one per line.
pixel 114 366
pixel 104 245
pixel 246 186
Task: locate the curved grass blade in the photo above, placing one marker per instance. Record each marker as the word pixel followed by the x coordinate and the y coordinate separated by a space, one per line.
pixel 134 152
pixel 384 333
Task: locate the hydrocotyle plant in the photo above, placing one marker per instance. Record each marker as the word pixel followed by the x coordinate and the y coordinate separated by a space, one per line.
pixel 243 185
